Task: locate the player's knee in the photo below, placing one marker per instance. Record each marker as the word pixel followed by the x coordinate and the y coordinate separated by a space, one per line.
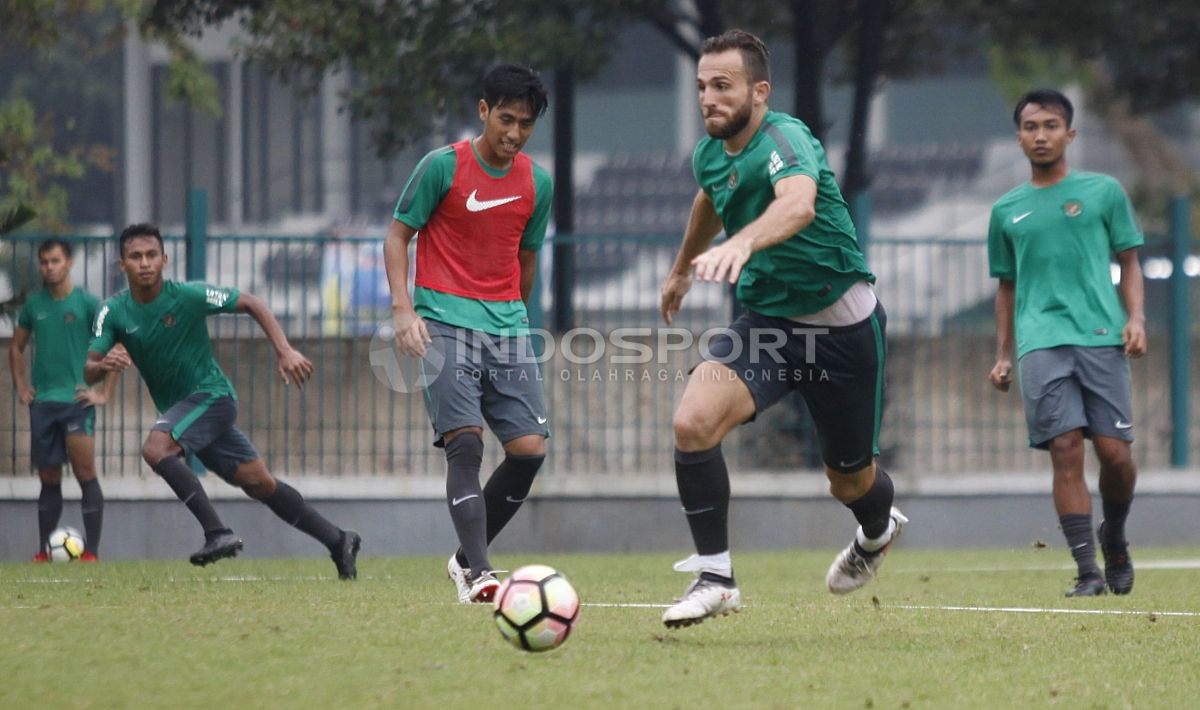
pixel 1114 454
pixel 153 452
pixel 694 430
pixel 1066 444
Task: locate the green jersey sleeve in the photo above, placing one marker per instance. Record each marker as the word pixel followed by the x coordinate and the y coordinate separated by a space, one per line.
pixel 543 198
pixel 207 299
pixel 426 187
pixel 104 335
pixel 1002 261
pixel 794 152
pixel 1123 232
pixel 25 318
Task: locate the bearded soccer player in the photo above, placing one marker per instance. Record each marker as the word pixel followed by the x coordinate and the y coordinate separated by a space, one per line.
pixel 481 207
pixel 1051 242
pixel 62 414
pixel 812 323
pixel 163 328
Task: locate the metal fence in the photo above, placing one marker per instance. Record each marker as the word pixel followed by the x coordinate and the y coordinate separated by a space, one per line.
pixel 608 416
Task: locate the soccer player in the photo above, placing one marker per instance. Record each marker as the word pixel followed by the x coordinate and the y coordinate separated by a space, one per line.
pixel 1050 244
pixel 481 207
pixel 162 325
pixel 812 323
pixel 62 414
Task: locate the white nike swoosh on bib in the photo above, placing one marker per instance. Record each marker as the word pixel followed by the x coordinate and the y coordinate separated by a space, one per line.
pixel 476 205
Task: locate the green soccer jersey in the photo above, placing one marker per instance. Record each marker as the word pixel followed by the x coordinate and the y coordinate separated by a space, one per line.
pixel 61 330
pixel 813 268
pixel 428 185
pixel 1056 243
pixel 168 338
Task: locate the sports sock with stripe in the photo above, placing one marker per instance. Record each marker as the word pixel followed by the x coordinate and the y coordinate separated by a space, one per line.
pixel 703 481
pixel 464 498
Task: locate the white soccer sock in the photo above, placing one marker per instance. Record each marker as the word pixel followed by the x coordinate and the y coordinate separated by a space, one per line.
pixel 720 563
pixel 876 544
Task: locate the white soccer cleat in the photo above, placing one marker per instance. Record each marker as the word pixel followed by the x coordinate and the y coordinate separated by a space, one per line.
pixel 851 570
pixel 702 599
pixel 483 589
pixel 458 574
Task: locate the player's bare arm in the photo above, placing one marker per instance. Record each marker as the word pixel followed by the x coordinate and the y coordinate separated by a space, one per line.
pixel 411 332
pixel 704 224
pixel 1134 294
pixel 16 365
pixel 1001 374
pixel 528 261
pixel 793 209
pixel 97 365
pixel 293 367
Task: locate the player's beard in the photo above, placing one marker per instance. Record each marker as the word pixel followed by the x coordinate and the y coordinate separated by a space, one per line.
pixel 734 126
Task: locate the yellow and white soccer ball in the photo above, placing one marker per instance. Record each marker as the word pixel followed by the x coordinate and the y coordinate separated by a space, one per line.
pixel 65 544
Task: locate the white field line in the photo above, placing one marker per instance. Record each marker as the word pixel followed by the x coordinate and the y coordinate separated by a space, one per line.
pixel 1138 565
pixel 1038 610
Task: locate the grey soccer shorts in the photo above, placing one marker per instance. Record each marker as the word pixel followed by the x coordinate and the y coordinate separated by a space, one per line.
pixel 1075 387
pixel 202 424
pixel 483 377
pixel 50 423
pixel 837 370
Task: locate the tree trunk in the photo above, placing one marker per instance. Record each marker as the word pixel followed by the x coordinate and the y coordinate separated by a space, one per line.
pixel 872 26
pixel 810 67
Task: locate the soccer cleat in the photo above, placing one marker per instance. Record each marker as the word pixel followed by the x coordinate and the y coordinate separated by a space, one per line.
pixel 88 557
pixel 345 556
pixel 1087 586
pixel 483 589
pixel 458 574
pixel 222 545
pixel 704 598
pixel 41 557
pixel 1118 566
pixel 853 568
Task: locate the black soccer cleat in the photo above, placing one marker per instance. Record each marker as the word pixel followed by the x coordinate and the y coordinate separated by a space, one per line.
pixel 1089 586
pixel 345 555
pixel 220 546
pixel 1118 567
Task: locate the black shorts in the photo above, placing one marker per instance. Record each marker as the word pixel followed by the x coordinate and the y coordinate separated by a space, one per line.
pixel 50 423
pixel 202 424
pixel 837 370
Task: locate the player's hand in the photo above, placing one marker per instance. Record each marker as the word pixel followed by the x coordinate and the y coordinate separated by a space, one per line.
pixel 1134 337
pixel 1001 374
pixel 116 360
pixel 25 395
pixel 294 367
pixel 723 262
pixel 674 289
pixel 91 396
pixel 412 335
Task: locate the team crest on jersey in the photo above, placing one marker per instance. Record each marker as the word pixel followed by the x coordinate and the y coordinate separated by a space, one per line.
pixel 1072 208
pixel 69 318
pixel 168 320
pixel 733 179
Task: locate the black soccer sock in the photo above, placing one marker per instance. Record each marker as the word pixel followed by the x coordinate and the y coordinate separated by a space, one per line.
pixel 175 471
pixel 92 507
pixel 290 506
pixel 464 497
pixel 703 481
pixel 873 510
pixel 1078 530
pixel 49 509
pixel 1115 513
pixel 508 488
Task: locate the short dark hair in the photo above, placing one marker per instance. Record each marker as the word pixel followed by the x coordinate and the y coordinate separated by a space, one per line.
pixel 1046 98
pixel 141 229
pixel 51 244
pixel 755 55
pixel 510 83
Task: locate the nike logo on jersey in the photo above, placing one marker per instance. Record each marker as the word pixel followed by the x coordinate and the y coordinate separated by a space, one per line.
pixel 1122 424
pixel 1018 218
pixel 456 501
pixel 542 420
pixel 510 499
pixel 476 205
pixel 134 329
pixel 41 316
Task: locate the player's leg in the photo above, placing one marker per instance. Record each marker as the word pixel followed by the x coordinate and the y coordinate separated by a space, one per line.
pixel 843 388
pixel 453 402
pixel 49 453
pixel 1108 403
pixel 185 428
pixel 81 451
pixel 235 459
pixel 1054 415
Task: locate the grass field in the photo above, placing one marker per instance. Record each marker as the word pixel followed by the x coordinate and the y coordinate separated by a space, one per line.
pixel 285 633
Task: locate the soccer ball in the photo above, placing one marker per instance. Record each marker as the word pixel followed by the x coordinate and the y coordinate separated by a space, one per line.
pixel 66 544
pixel 536 608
